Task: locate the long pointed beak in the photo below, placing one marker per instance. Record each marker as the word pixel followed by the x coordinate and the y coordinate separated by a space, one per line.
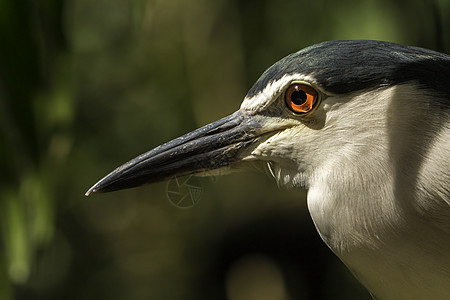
pixel 216 145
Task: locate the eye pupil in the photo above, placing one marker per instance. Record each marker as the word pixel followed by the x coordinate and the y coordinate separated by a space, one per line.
pixel 299 97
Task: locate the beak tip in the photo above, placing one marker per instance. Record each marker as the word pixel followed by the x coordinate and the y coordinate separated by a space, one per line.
pixel 90 191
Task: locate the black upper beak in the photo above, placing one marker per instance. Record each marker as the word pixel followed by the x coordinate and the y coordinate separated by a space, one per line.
pixel 213 146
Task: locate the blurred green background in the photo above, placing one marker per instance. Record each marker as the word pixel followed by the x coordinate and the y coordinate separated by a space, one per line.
pixel 86 85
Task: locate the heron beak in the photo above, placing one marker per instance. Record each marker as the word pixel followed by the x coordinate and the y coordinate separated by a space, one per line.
pixel 214 146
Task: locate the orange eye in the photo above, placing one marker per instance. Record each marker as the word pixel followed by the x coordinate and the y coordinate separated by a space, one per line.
pixel 300 98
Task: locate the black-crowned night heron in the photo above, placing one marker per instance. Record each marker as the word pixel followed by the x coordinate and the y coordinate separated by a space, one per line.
pixel 365 127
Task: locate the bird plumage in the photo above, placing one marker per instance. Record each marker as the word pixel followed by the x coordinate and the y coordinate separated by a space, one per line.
pixel 373 152
pixel 350 65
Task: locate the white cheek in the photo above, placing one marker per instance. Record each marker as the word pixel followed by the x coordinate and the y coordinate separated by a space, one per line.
pixel 285 156
pixel 276 147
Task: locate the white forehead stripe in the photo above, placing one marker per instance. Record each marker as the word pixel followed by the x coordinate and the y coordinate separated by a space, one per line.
pixel 271 92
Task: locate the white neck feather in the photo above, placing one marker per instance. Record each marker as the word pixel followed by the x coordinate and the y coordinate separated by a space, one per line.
pixel 379 199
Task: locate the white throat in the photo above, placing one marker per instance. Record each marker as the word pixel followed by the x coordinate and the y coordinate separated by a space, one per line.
pixel 389 242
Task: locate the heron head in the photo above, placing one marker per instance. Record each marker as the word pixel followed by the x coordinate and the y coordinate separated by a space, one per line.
pixel 327 101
